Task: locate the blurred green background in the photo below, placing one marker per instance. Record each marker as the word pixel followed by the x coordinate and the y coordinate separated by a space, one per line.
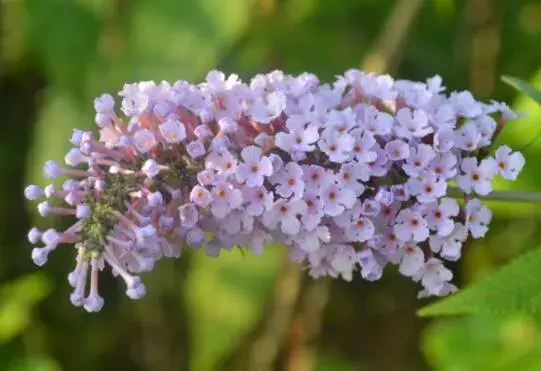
pixel 250 313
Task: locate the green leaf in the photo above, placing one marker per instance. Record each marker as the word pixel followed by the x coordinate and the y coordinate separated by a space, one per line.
pixel 488 343
pixel 64 37
pixel 16 300
pixel 523 87
pixel 35 363
pixel 181 39
pixel 515 288
pixel 225 298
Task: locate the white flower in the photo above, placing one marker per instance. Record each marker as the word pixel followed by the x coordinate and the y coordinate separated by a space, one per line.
pixel 439 217
pixel 314 210
pixel 371 269
pixel 418 160
pixel 254 168
pixel 411 225
pixel 104 103
pixel 150 168
pixel 316 177
pixel 465 105
pixel 449 247
pixel 352 175
pixel 173 131
pixel 337 146
pixel 290 181
pixel 200 196
pixel 509 164
pixel 412 262
pixel 467 137
pixel 375 121
pixel 444 165
pixel 361 229
pixel 299 140
pixel 343 261
pixel 74 157
pixel 341 121
pixel 397 150
pixel 223 162
pixel 284 213
pixel 363 145
pixel 486 127
pixel 477 178
pixel 196 148
pixel 435 277
pixel 266 109
pixel 311 241
pixel 336 199
pixel 427 187
pixel 478 217
pixel 225 199
pixel 258 198
pixel 444 140
pixel 412 124
pixel 144 140
pixel 444 116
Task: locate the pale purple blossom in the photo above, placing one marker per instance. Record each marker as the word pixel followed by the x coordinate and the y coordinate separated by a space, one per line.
pixel 173 131
pixel 144 140
pixel 351 176
pixel 255 167
pixel 397 150
pixel 363 145
pixel 284 213
pixel 508 164
pixel 427 187
pixel 336 199
pixel 225 199
pixel 467 137
pixel 411 225
pixel 412 123
pixel 413 259
pixel 150 168
pixel 289 181
pixel 449 247
pixel 440 217
pixel 418 159
pixel 33 192
pixel 477 177
pixel 299 140
pixel 336 146
pixel 477 216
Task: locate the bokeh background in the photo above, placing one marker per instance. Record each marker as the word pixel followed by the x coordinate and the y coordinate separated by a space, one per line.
pixel 239 312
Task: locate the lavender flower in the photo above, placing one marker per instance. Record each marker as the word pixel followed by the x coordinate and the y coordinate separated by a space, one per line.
pixel 348 176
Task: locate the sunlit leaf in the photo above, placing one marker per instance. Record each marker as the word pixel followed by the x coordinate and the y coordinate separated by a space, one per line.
pixel 225 298
pixel 63 36
pixel 17 299
pixel 35 363
pixel 489 343
pixel 515 288
pixel 181 39
pixel 523 87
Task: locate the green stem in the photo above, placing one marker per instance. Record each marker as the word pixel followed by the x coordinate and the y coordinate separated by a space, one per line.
pixel 510 196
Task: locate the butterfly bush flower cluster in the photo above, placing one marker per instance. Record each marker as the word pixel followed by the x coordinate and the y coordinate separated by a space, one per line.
pixel 350 176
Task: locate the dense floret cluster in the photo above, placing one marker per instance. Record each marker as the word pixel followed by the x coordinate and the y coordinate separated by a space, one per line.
pixel 352 175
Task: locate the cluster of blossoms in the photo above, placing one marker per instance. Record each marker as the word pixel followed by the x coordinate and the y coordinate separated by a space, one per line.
pixel 352 175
